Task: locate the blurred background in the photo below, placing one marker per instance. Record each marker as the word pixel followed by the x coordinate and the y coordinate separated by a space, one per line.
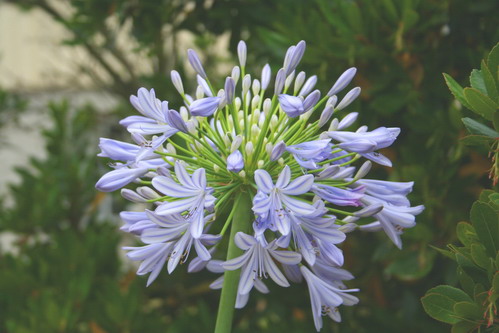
pixel 67 68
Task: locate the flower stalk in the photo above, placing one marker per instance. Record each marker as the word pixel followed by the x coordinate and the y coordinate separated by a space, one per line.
pixel 241 220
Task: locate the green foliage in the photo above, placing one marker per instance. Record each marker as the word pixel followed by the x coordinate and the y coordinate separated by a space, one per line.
pixel 475 306
pixel 477 259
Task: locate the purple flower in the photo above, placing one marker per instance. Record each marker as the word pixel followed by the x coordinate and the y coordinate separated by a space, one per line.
pixel 365 143
pixel 292 105
pixel 257 262
pixel 153 257
pixel 175 120
pixel 305 232
pixel 277 151
pixel 204 107
pixel 307 154
pixel 325 298
pixel 176 228
pixel 116 179
pixel 136 222
pixel 235 161
pixel 311 100
pixel 195 196
pixel 215 266
pixel 393 219
pixel 338 196
pixel 274 201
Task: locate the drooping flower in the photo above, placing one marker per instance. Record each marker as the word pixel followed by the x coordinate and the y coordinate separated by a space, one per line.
pixel 193 193
pixel 257 262
pixel 325 298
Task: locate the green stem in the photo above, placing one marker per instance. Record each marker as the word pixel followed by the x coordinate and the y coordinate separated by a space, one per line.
pixel 240 222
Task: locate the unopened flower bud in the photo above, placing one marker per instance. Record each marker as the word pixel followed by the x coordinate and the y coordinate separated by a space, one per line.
pixel 147 193
pixel 206 88
pixel 255 87
pixel 235 161
pixel 199 92
pixel 342 81
pixel 255 101
pixel 267 104
pixel 132 196
pixel 229 90
pixel 266 73
pixel 349 98
pixel 246 84
pixel 171 149
pixel 334 125
pixel 308 86
pixel 289 80
pixel 260 164
pixel 237 103
pixel 236 143
pixel 255 130
pixel 241 53
pixel 300 78
pixel 274 121
pixel 235 74
pixel 348 120
pixel 184 113
pixel 216 168
pixel 279 81
pixel 196 63
pixel 249 148
pixel 326 115
pixel 177 82
pixel 363 170
pixel 242 174
pixel 281 161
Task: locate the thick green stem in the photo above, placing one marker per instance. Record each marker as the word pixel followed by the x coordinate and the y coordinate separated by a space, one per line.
pixel 240 222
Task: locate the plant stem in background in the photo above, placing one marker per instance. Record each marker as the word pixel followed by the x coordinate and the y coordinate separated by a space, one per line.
pixel 240 222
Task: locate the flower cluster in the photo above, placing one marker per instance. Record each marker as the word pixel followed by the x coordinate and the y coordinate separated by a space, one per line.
pixel 305 179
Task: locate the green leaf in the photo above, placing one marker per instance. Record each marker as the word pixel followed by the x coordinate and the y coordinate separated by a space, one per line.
pixel 489 82
pixel 485 195
pixel 446 253
pixel 493 61
pixel 486 224
pixel 466 282
pixel 468 310
pixel 479 255
pixel 477 140
pixel 456 90
pixel 439 307
pixel 477 128
pixel 495 283
pixel 455 294
pixel 496 121
pixel 465 233
pixel 480 103
pixel 463 327
pixel 477 82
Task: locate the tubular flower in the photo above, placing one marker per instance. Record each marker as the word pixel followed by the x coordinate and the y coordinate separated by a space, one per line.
pixel 248 164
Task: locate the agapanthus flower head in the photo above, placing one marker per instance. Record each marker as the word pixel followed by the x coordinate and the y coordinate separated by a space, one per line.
pixel 302 183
